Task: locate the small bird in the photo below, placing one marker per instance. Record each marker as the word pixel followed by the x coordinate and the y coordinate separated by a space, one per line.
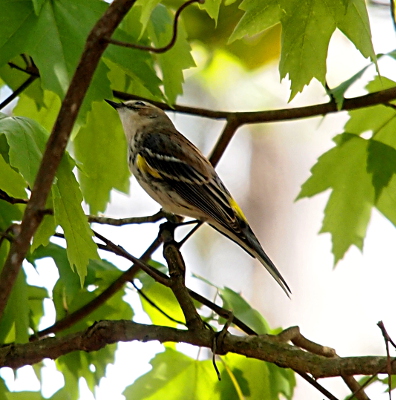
pixel 179 177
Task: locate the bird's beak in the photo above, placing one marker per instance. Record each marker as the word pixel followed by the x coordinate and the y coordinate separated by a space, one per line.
pixel 113 104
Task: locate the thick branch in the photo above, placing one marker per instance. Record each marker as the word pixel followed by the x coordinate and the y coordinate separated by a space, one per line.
pixel 264 347
pixel 57 142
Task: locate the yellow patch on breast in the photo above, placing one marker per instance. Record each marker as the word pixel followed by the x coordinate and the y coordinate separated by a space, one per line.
pixel 143 166
pixel 237 209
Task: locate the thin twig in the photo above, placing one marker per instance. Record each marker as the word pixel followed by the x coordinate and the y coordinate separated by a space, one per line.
pixel 283 114
pixel 316 385
pixel 224 139
pixel 25 70
pixel 154 305
pixel 139 263
pixel 125 221
pixel 18 91
pixel 158 49
pixel 12 200
pixel 387 340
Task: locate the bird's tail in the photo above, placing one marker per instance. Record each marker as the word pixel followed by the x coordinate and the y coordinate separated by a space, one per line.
pixel 248 241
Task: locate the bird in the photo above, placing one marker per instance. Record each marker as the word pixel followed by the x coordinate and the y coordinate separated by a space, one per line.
pixel 175 173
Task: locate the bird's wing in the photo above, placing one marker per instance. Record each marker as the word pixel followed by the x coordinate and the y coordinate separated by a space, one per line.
pixel 188 173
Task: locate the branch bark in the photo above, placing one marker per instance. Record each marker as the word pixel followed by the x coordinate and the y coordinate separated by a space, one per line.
pixel 284 114
pixel 264 347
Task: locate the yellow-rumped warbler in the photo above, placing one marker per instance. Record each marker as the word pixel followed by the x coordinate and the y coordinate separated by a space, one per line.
pixel 179 177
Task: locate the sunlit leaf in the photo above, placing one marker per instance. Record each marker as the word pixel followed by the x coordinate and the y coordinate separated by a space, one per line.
pixel 177 377
pixel 70 215
pixel 243 310
pixel 14 323
pixel 344 170
pixel 102 151
pixel 11 182
pixel 257 17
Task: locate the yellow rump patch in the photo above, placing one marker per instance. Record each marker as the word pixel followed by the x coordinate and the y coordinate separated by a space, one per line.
pixel 237 209
pixel 143 166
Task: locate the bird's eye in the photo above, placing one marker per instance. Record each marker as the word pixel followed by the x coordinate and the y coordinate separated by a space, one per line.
pixel 140 103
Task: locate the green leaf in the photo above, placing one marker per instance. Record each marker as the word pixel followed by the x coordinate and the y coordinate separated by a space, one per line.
pixel 90 366
pixel 8 214
pixel 70 216
pixel 212 7
pixel 45 230
pixel 70 390
pixel 344 170
pixel 37 5
pixel 14 323
pixel 174 61
pixel 16 20
pixel 26 140
pixel 243 310
pixel 307 27
pixel 175 376
pixel 256 379
pixel 379 120
pixel 36 296
pixel 55 38
pixel 386 202
pixel 102 152
pixel 11 182
pixel 3 390
pixel 257 18
pixel 68 284
pixel 339 91
pixel 114 309
pixel 381 162
pixel 45 114
pixel 163 297
pixel 147 8
pixel 355 25
pixel 18 302
pixel 24 395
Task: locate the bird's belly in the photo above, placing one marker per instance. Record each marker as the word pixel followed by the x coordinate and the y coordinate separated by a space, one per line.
pixel 163 194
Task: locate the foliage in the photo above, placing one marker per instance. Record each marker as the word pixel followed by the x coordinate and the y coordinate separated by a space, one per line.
pixel 45 39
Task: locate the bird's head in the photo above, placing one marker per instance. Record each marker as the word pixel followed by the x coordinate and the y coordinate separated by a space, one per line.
pixel 135 114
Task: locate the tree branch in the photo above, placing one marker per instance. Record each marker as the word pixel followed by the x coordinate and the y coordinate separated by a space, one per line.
pixel 18 91
pixel 177 271
pixel 125 221
pixel 264 347
pixel 12 200
pixel 285 114
pixel 57 142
